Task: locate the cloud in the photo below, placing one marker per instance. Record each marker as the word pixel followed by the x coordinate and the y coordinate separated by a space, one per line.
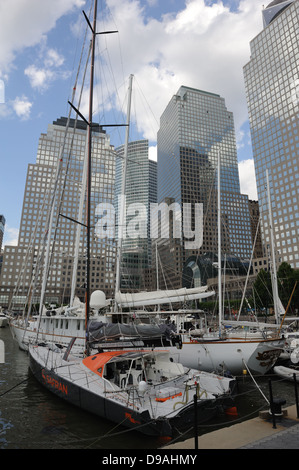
pixel 23 23
pixel 11 235
pixel 53 58
pixel 247 179
pixel 204 46
pixel 22 107
pixel 39 78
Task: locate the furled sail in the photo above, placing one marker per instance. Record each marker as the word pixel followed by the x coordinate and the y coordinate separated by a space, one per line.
pixel 159 297
pixel 99 331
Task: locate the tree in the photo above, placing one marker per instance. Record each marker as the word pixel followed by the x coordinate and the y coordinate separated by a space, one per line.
pixel 263 290
pixel 286 278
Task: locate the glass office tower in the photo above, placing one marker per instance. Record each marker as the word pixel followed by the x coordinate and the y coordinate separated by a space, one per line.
pixel 272 88
pixel 194 128
pixel 64 143
pixel 141 188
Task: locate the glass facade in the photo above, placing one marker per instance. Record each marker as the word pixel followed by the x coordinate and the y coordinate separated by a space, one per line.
pixel 68 144
pixel 272 89
pixel 141 188
pixel 2 225
pixel 194 128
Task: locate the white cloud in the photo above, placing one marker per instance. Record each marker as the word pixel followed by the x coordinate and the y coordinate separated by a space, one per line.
pixel 247 178
pixel 53 58
pixel 39 78
pixel 23 23
pixel 42 76
pixel 152 153
pixel 11 235
pixel 204 46
pixel 22 107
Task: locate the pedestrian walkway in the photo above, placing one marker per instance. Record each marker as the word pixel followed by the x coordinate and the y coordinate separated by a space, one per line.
pixel 256 433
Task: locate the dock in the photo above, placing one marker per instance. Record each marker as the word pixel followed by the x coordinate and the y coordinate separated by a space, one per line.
pixel 256 433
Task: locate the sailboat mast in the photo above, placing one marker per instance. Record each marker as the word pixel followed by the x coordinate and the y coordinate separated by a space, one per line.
pixel 88 192
pixel 219 247
pixel 273 271
pixel 122 199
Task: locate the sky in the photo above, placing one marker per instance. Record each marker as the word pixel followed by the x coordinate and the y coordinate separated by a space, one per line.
pixel 165 44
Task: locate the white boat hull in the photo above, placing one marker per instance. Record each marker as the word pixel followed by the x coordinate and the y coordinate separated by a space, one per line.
pixel 286 373
pixel 230 355
pixel 28 335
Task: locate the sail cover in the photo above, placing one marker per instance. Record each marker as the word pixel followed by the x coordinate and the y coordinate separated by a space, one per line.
pixel 99 331
pixel 140 299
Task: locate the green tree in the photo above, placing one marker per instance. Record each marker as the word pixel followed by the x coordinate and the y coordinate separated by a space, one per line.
pixel 263 290
pixel 286 278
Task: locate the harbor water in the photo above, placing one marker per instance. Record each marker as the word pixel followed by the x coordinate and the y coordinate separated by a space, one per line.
pixel 33 418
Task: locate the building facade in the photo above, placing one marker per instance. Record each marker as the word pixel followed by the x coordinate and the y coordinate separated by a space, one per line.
pixel 140 192
pixel 53 186
pixel 272 89
pixel 194 128
pixel 2 226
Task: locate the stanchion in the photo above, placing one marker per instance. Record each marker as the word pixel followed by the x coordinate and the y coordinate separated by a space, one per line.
pixel 195 423
pixel 296 394
pixel 272 405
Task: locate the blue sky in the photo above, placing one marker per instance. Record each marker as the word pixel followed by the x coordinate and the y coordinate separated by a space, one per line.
pixel 163 43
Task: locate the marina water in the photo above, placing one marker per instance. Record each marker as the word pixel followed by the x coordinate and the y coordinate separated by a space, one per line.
pixel 33 418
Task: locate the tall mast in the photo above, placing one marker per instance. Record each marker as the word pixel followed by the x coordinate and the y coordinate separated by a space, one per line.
pixel 88 192
pixel 88 173
pixel 122 199
pixel 219 246
pixel 273 260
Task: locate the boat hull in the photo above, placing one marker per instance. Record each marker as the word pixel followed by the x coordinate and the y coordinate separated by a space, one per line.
pixel 230 355
pixel 88 393
pixel 97 405
pixel 26 336
pixel 287 373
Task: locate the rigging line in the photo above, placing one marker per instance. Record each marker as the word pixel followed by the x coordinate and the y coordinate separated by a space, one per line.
pixel 57 197
pixel 119 42
pixel 256 383
pixel 153 115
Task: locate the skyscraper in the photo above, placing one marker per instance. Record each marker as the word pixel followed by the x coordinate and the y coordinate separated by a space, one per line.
pixel 272 89
pixel 194 128
pixel 2 225
pixel 60 162
pixel 141 188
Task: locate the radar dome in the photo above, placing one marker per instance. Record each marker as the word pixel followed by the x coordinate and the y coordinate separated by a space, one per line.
pixel 98 300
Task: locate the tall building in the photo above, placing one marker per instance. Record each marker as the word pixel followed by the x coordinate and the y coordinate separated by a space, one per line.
pixel 272 89
pixel 2 225
pixel 194 128
pixel 141 188
pixel 60 161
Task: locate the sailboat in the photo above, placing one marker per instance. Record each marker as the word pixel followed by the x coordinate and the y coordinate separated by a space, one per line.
pixel 135 386
pixel 218 352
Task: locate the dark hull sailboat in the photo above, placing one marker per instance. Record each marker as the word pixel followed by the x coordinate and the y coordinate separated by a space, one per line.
pixel 140 389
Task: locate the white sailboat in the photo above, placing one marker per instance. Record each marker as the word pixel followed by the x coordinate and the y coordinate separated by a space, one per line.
pixel 219 352
pixel 137 387
pixel 57 324
pixel 3 319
